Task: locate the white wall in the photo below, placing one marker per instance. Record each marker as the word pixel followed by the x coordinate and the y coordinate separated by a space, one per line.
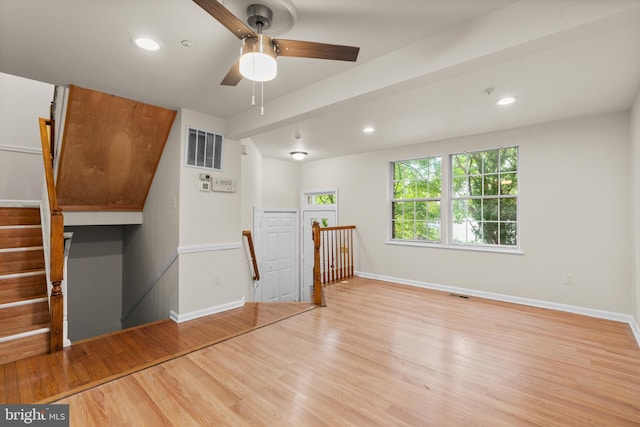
pixel 150 247
pixel 22 102
pixel 280 184
pixel 213 267
pixel 251 182
pixel 574 215
pixel 635 201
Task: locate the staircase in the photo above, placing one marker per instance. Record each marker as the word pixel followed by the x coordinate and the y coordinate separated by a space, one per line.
pixel 24 306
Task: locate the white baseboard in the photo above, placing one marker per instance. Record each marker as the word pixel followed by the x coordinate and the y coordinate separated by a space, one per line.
pixel 179 318
pixel 601 314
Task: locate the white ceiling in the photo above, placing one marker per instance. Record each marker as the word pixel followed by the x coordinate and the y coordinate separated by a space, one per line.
pixel 421 74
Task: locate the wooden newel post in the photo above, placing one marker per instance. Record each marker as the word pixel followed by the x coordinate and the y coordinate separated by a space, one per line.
pixel 56 304
pixel 317 284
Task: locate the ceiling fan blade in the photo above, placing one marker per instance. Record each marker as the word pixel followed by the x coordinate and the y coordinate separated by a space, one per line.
pixel 233 77
pixel 226 18
pixel 303 49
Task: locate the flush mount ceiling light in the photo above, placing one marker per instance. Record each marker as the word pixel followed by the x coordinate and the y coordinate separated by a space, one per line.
pixel 298 155
pixel 145 43
pixel 506 100
pixel 368 129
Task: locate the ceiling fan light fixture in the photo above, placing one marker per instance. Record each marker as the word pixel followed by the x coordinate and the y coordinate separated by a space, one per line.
pixel 258 59
pixel 298 155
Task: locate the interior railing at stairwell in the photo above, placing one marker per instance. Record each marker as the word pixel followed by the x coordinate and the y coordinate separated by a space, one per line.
pixel 55 238
pixel 333 257
pixel 252 252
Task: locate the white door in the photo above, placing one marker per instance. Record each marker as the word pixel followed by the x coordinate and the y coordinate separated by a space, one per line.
pixel 326 218
pixel 278 269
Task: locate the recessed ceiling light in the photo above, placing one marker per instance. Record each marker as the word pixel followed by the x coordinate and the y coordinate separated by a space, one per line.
pixel 506 100
pixel 368 129
pixel 145 43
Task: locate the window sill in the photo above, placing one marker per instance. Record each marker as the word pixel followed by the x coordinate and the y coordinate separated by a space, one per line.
pixel 456 247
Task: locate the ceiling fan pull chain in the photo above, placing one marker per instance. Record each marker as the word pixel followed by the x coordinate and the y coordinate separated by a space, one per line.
pixel 253 94
pixel 262 99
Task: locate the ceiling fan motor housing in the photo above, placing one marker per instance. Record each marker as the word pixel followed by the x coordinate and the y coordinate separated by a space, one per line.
pixel 259 16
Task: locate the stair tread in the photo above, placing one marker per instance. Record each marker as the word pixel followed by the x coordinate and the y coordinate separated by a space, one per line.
pixel 23 329
pixel 24 299
pixel 10 274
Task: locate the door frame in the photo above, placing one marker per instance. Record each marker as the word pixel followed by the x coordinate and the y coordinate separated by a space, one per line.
pixel 305 207
pixel 258 230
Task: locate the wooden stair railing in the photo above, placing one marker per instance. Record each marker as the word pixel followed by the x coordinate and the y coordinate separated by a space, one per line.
pixel 333 257
pixel 56 243
pixel 254 263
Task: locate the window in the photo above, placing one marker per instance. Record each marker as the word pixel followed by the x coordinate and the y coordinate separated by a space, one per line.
pixel 204 149
pixel 484 197
pixel 470 201
pixel 415 206
pixel 321 198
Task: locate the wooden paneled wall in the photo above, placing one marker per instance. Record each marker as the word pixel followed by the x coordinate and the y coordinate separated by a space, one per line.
pixel 110 151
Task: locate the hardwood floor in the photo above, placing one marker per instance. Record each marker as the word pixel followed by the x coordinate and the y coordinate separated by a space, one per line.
pixel 389 355
pixel 87 363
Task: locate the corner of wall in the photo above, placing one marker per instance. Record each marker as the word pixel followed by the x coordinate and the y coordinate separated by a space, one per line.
pixel 634 157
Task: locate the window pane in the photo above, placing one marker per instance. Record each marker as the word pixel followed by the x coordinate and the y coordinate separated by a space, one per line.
pixel 491 185
pixel 508 209
pixel 459 164
pixel 433 211
pixel 460 186
pixel 508 234
pixel 433 231
pixel 459 210
pixel 421 210
pixel 490 210
pixel 475 185
pixel 490 233
pixel 421 230
pixel 509 159
pixel 490 162
pixel 475 164
pixel 422 188
pixel 508 184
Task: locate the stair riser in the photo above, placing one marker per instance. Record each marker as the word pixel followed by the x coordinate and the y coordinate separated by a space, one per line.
pixel 24 315
pixel 19 216
pixel 20 237
pixel 18 288
pixel 24 347
pixel 21 261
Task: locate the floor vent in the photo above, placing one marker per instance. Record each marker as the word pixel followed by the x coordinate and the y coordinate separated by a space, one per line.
pixel 459 296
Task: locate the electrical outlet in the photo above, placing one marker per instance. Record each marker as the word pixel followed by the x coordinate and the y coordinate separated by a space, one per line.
pixel 215 281
pixel 569 279
pixel 174 202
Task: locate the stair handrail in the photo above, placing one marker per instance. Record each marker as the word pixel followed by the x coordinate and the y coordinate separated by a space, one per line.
pixel 55 236
pixel 333 257
pixel 254 262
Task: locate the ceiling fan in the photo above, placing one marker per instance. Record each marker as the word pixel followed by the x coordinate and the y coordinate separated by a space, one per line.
pixel 258 56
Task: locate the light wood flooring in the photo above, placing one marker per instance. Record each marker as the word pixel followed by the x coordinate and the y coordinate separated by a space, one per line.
pixel 389 355
pixel 94 361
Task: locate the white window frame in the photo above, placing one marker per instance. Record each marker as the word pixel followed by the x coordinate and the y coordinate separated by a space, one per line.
pixel 446 209
pixel 422 199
